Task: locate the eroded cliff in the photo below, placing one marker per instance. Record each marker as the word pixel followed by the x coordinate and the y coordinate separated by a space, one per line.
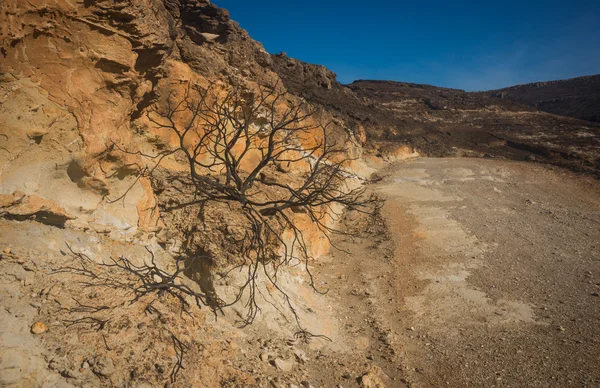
pixel 77 80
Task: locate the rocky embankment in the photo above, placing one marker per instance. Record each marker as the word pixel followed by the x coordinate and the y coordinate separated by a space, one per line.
pixel 77 80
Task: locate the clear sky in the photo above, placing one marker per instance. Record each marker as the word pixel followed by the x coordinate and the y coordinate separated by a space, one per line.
pixel 462 44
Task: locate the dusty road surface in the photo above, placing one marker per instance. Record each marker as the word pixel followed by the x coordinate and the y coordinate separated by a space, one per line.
pixel 487 273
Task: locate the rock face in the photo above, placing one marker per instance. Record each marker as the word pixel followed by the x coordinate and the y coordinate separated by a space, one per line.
pixel 76 81
pixel 576 97
pixel 74 75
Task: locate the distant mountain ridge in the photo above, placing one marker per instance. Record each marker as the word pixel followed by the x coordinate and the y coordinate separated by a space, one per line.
pixel 576 97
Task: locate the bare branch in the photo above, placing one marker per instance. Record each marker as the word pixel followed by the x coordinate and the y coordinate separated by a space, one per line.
pixel 235 141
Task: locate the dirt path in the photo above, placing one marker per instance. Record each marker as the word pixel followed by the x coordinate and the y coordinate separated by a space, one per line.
pixel 490 276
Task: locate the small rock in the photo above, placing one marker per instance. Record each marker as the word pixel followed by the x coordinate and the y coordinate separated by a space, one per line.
pixel 372 378
pixel 301 356
pixel 284 365
pixel 85 365
pixel 55 366
pixel 39 328
pixel 7 251
pixel 306 384
pixel 162 237
pixel 141 325
pixel 209 37
pixel 104 366
pixel 264 357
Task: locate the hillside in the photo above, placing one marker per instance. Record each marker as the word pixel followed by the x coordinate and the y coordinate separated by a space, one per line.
pixel 576 97
pixel 445 122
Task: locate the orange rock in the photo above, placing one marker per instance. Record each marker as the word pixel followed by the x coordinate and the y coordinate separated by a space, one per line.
pixel 148 213
pixel 372 378
pixel 39 328
pixel 8 200
pixel 44 209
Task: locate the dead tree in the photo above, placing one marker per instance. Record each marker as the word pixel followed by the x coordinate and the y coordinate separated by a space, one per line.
pixel 237 143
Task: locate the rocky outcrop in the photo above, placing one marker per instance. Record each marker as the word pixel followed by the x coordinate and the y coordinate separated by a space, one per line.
pixel 304 78
pixel 78 79
pixel 74 77
pixel 18 206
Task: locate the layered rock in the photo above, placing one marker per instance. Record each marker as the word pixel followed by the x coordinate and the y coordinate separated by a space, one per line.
pixel 78 79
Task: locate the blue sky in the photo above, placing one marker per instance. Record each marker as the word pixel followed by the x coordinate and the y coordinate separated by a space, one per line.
pixel 462 44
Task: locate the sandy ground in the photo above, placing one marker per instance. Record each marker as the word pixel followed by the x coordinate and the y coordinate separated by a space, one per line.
pixel 494 278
